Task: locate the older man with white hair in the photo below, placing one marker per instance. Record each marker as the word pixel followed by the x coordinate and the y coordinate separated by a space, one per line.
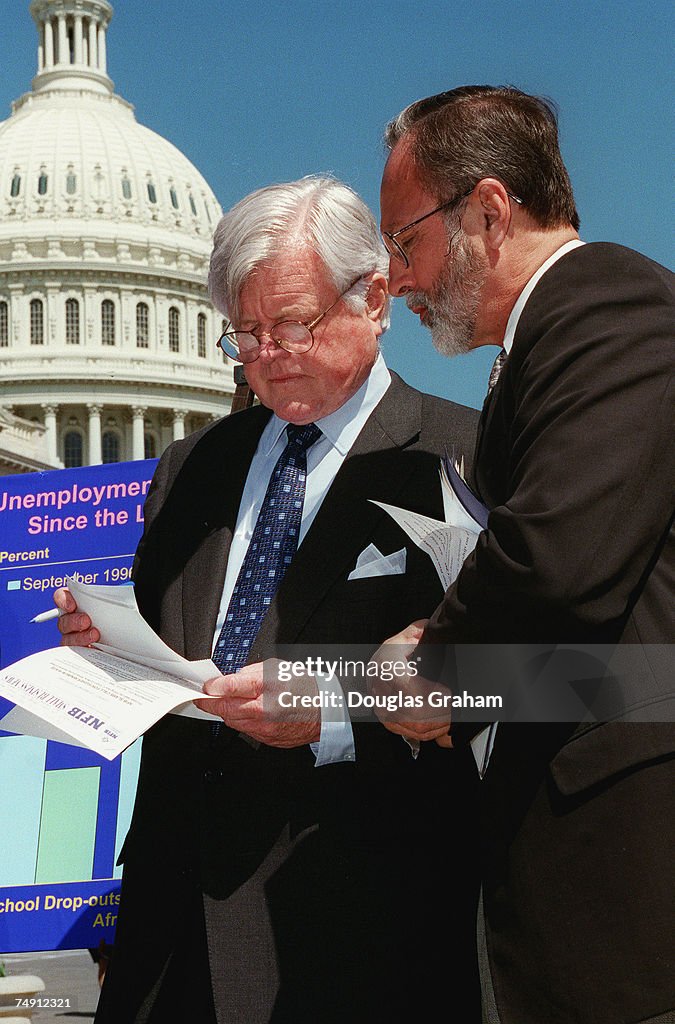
pixel 278 870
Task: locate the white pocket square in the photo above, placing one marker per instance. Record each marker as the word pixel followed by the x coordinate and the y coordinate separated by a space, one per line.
pixel 372 562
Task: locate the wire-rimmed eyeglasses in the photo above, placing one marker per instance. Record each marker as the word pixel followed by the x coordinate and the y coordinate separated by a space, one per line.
pixel 390 238
pixel 291 335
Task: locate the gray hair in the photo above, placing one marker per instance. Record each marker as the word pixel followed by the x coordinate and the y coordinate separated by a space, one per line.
pixel 316 211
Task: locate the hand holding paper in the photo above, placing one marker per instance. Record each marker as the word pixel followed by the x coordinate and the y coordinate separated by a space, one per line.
pixel 413 722
pixel 74 625
pixel 105 696
pixel 447 544
pixel 249 702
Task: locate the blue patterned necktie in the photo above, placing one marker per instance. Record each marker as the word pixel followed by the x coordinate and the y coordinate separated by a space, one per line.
pixel 270 552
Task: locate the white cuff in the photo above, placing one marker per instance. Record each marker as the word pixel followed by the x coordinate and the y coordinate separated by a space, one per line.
pixel 336 742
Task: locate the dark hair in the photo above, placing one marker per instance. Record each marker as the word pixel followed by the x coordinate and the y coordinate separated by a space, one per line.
pixel 483 131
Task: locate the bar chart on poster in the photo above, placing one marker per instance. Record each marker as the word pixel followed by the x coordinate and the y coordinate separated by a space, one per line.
pixel 68 809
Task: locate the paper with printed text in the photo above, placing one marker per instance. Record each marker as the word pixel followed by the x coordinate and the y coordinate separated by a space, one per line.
pixel 105 696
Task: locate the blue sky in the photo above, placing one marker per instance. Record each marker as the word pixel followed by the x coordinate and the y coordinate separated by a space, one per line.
pixel 261 92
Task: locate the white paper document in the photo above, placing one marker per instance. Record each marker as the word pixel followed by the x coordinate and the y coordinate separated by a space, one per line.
pixel 447 543
pixel 105 696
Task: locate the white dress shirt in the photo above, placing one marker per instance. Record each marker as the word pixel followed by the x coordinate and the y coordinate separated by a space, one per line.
pixel 339 431
pixel 519 306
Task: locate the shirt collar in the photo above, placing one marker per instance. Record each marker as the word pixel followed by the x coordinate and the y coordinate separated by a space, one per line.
pixel 343 426
pixel 512 322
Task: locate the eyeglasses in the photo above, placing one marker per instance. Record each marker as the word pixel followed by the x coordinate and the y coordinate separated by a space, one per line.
pixel 291 335
pixel 390 238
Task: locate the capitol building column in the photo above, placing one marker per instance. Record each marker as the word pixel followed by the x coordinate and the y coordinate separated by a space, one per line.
pixel 178 424
pixel 50 412
pixel 64 52
pixel 77 41
pixel 93 48
pixel 41 48
pixel 102 59
pixel 49 45
pixel 138 432
pixel 94 434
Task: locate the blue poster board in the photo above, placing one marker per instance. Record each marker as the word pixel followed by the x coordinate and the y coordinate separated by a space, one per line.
pixel 66 811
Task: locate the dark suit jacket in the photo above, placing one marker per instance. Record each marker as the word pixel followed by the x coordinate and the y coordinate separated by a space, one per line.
pixel 320 883
pixel 576 459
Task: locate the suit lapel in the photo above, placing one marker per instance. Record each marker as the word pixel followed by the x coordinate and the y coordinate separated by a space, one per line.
pixel 486 424
pixel 225 462
pixel 345 521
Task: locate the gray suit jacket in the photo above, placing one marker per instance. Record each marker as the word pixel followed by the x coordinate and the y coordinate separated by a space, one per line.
pixel 318 882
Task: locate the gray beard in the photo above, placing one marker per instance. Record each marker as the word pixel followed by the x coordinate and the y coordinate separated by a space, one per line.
pixel 452 304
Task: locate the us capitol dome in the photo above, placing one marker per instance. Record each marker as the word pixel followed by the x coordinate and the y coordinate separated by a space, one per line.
pixel 107 336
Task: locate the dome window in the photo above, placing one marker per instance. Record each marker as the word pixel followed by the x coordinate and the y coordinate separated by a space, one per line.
pixel 193 205
pixel 152 192
pixel 107 322
pixel 174 197
pixel 72 449
pixel 201 336
pixel 110 447
pixel 4 325
pixel 71 182
pixel 15 187
pixel 174 330
pixel 43 181
pixel 149 447
pixel 126 187
pixel 142 322
pixel 72 322
pixel 37 322
pixel 208 212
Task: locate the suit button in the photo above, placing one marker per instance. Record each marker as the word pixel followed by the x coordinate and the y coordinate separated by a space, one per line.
pixel 213 775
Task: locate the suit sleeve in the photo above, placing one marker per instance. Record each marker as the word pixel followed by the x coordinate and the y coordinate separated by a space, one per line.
pixel 151 554
pixel 153 502
pixel 587 482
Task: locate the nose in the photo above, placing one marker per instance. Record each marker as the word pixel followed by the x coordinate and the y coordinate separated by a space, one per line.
pixel 400 278
pixel 268 347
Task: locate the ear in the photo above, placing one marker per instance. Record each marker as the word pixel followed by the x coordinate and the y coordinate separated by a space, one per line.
pixel 495 211
pixel 376 296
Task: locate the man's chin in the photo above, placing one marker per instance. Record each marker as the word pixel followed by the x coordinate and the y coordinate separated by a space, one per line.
pixel 447 344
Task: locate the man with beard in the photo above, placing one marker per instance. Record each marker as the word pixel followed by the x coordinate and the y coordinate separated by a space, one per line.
pixel 448 308
pixel 575 460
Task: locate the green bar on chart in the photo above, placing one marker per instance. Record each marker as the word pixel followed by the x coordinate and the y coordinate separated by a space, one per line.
pixel 68 825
